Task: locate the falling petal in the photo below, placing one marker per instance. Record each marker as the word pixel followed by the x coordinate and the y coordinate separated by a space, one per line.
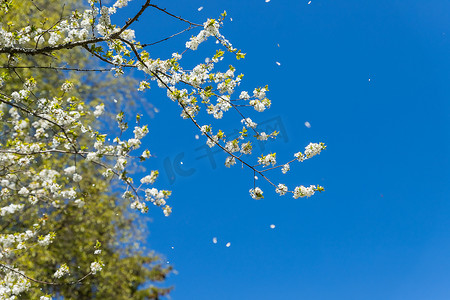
pixel 197 137
pixel 200 8
pixel 278 63
pixel 272 226
pixel 214 240
pixel 228 244
pixel 307 124
pixel 309 2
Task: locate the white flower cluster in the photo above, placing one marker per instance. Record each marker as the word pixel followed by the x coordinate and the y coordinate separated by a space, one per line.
pixel 230 161
pixel 261 103
pixel 10 209
pixel 256 193
pixel 285 168
pixel 268 159
pixel 12 284
pixel 67 86
pixel 96 267
pixel 302 191
pixel 281 189
pixel 62 271
pixel 157 196
pixel 211 28
pixel 46 240
pixel 99 110
pixel 248 122
pixel 311 150
pixel 150 178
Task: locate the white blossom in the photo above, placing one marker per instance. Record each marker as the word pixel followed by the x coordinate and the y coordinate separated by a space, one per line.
pixel 248 122
pixel 77 177
pixel 256 193
pixel 229 161
pixel 285 168
pixel 281 189
pixel 99 110
pixel 150 178
pixel 268 159
pixel 63 270
pixel 302 191
pixel 96 267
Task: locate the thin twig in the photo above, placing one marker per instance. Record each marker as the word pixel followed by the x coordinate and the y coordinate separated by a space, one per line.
pixel 44 282
pixel 172 15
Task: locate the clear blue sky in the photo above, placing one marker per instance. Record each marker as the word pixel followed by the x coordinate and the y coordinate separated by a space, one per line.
pixel 381 230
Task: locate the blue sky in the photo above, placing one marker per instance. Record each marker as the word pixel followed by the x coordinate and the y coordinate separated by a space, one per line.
pixel 381 228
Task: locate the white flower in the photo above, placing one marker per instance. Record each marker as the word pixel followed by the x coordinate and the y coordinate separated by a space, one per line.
pixel 143 85
pixel 302 191
pixel 205 129
pixel 92 156
pixel 96 267
pixel 176 56
pixel 256 193
pixel 134 143
pixel 267 160
pixel 98 251
pixel 232 146
pixel 108 173
pixel 76 177
pixel 120 164
pixel 99 110
pixel 150 178
pixel 45 240
pixel 63 270
pixel 244 95
pixel 262 136
pixel 167 210
pixel 259 93
pixel 67 86
pixel 258 105
pixel 140 132
pixel 139 206
pixel 285 168
pixel 313 149
pixel 10 209
pixel 16 96
pixel 248 122
pixel 246 148
pixel 299 156
pixel 281 189
pixel 211 142
pixel 229 161
pixel 23 191
pixel 146 154
pixel 79 203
